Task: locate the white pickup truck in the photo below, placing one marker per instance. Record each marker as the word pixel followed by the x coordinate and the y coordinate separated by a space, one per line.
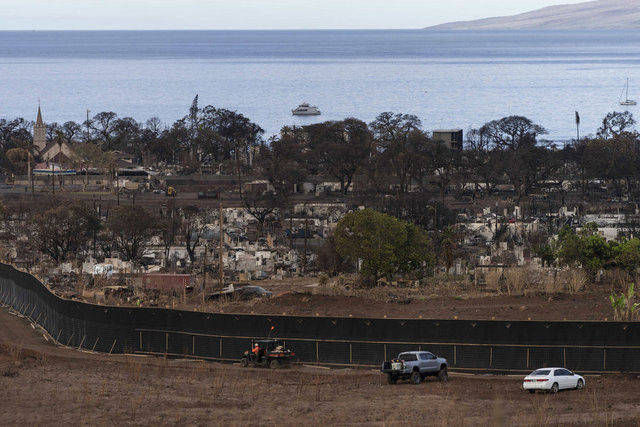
pixel 415 366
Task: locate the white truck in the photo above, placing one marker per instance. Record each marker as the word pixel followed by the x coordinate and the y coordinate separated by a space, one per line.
pixel 415 366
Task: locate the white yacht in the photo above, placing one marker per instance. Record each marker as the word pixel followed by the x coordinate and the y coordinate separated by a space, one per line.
pixel 627 101
pixel 306 110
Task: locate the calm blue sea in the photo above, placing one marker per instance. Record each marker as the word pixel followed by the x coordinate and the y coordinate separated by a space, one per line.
pixel 448 79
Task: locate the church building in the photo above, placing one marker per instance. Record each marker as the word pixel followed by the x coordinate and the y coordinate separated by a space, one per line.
pixel 39 133
pixel 52 151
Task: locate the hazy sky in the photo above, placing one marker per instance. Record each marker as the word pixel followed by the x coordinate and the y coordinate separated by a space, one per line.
pixel 252 14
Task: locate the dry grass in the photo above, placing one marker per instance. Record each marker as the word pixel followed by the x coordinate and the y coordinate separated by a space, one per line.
pixel 218 384
pixel 600 405
pixel 162 367
pixel 618 279
pixel 541 412
pixel 528 279
pixel 134 369
pixel 517 280
pixel 203 393
pixel 575 280
pixel 324 279
pixel 15 352
pixel 495 280
pixel 552 284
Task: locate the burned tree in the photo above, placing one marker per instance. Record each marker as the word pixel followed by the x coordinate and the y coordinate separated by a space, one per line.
pixel 131 227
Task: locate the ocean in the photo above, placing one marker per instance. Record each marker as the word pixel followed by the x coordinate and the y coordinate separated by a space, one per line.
pixel 448 79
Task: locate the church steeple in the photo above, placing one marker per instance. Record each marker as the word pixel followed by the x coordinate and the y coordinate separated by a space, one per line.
pixel 39 132
pixel 39 121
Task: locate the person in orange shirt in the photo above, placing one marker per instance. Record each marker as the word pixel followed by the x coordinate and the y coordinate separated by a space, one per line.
pixel 256 351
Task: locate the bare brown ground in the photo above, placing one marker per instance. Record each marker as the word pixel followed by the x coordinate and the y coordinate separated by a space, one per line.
pixel 303 296
pixel 44 384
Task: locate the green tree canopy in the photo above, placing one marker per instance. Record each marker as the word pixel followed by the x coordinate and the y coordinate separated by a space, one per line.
pixel 385 245
pixel 628 256
pixel 586 249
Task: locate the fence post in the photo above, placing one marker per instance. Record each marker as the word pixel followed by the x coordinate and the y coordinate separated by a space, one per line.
pixel 527 357
pixel 317 352
pixel 221 347
pixel 385 351
pixel 193 344
pixel 69 340
pixel 604 363
pixel 455 354
pixel 94 346
pixel 81 342
pixel 113 345
pixel 350 354
pixel 58 337
pixel 166 343
pixel 564 356
pixel 490 357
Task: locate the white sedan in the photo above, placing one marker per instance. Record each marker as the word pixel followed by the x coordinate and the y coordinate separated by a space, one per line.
pixel 552 380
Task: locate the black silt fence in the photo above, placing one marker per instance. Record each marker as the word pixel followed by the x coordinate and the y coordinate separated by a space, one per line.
pixel 487 346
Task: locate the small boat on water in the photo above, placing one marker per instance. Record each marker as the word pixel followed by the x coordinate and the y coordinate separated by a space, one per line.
pixel 306 110
pixel 627 101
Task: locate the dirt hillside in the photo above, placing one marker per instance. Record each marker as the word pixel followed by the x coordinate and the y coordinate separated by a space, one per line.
pixel 41 383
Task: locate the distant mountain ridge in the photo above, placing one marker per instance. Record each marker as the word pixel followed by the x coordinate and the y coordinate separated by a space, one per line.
pixel 599 14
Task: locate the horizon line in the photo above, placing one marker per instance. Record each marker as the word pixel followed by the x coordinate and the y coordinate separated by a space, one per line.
pixel 429 28
pixel 214 29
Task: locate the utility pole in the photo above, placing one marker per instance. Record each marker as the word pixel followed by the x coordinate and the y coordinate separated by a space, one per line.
pixel 117 186
pixel 171 232
pixel 32 190
pixel 496 235
pixel 221 248
pixel 29 177
pixel 95 231
pixel 53 181
pixel 304 256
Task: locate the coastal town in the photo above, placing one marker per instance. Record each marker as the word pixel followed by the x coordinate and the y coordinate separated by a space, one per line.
pixel 333 221
pixel 218 214
pixel 328 213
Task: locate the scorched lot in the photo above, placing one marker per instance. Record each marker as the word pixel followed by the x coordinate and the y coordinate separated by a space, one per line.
pixel 303 296
pixel 44 384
